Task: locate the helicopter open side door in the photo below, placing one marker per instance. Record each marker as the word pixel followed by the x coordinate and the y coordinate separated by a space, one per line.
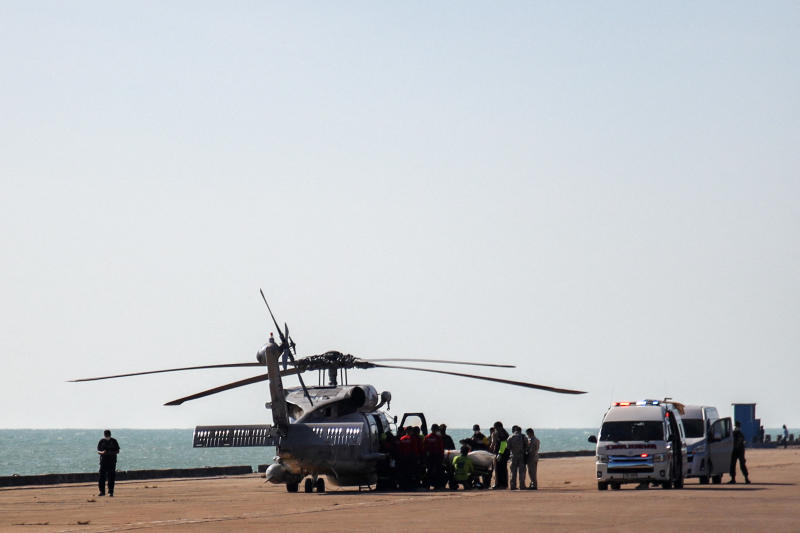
pixel 415 419
pixel 235 436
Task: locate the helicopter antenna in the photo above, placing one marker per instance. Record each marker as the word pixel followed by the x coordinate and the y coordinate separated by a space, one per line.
pixel 286 344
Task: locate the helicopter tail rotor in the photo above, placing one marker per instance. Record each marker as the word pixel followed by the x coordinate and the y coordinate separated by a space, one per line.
pixel 286 346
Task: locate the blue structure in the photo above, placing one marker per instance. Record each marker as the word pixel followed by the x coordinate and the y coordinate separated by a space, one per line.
pixel 746 414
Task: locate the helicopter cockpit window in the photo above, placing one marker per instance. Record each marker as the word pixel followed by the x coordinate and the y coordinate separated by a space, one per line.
pixel 373 430
pixel 379 423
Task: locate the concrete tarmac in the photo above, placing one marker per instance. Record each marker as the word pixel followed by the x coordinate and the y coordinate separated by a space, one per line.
pixel 568 500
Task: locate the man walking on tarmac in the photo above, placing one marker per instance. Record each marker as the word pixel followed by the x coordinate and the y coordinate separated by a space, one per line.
pixel 738 454
pixel 107 449
pixel 499 447
pixel 517 444
pixel 532 458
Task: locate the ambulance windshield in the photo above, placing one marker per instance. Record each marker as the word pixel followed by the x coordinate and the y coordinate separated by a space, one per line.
pixel 627 431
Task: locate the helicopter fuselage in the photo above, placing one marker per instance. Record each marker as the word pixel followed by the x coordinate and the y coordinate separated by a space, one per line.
pixel 346 449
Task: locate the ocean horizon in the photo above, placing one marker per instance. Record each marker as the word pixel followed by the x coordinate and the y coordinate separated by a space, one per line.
pixel 62 451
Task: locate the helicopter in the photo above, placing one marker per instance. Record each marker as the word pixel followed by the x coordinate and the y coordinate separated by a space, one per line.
pixel 333 429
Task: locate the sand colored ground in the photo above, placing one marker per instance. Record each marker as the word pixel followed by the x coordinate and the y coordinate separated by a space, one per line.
pixel 568 500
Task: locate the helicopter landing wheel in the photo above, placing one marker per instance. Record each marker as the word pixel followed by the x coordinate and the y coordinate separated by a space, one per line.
pixel 320 485
pixel 308 486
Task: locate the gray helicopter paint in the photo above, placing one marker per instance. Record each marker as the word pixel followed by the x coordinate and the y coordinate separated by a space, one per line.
pixel 234 436
pixel 330 430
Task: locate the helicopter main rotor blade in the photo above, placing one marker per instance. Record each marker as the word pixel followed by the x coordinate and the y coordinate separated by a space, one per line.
pixel 229 386
pixel 227 365
pixel 440 361
pixel 486 378
pixel 280 333
pixel 291 358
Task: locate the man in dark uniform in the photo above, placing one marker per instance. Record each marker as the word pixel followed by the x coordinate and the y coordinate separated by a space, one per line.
pixel 478 441
pixel 499 447
pixel 447 440
pixel 107 448
pixel 738 454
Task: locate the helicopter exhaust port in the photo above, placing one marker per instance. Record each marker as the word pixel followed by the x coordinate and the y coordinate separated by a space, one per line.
pixel 364 397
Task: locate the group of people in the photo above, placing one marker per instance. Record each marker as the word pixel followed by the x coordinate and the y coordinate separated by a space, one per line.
pixel 420 461
pixel 521 449
pixel 415 460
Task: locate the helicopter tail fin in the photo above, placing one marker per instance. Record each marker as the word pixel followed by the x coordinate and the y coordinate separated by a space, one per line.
pixel 280 412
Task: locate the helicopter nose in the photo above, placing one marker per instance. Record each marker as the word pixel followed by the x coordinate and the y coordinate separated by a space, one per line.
pixel 276 473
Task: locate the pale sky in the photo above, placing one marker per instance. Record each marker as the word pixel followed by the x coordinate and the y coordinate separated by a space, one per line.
pixel 605 194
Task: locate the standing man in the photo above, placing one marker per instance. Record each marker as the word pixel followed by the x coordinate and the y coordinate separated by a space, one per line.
pixel 518 445
pixel 107 449
pixel 434 458
pixel 479 440
pixel 785 436
pixel 447 440
pixel 738 454
pixel 499 447
pixel 406 459
pixel 532 458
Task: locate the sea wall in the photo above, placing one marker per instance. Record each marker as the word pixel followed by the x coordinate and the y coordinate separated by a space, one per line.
pixel 209 471
pixel 125 475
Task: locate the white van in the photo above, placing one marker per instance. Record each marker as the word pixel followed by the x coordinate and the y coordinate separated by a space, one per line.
pixel 641 442
pixel 709 442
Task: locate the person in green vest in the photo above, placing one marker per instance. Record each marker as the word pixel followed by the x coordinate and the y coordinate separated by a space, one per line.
pixel 463 469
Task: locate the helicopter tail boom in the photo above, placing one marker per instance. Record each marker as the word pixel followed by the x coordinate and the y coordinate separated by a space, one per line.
pixel 234 436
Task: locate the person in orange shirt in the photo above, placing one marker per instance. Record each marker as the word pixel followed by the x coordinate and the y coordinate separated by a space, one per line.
pixel 433 448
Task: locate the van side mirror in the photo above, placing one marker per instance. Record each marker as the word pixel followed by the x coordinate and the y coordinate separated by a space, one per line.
pixel 592 439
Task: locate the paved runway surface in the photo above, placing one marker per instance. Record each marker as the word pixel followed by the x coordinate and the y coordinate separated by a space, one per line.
pixel 568 500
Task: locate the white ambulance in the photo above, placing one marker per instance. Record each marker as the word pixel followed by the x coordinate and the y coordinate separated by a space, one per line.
pixel 709 441
pixel 641 442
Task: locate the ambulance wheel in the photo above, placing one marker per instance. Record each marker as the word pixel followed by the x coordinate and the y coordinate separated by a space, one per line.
pixel 320 485
pixel 616 486
pixel 308 486
pixel 704 480
pixel 602 485
pixel 292 487
pixel 666 485
pixel 716 480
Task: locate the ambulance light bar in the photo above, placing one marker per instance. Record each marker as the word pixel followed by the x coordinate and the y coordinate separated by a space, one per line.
pixel 640 402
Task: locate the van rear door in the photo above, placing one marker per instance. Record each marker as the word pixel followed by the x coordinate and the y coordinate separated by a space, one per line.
pixel 720 444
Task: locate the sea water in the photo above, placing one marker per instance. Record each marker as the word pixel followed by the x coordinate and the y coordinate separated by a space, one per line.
pixel 59 451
